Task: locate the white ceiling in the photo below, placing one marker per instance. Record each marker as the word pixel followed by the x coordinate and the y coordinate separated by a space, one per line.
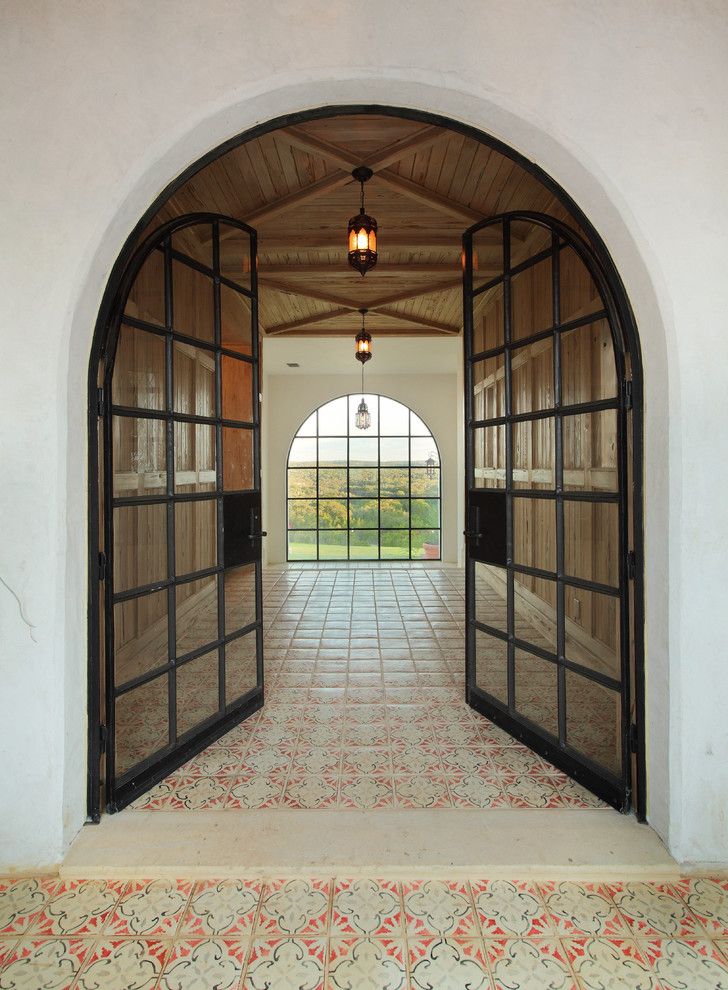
pixel 335 355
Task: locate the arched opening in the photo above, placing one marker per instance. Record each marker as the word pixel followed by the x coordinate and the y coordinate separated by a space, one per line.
pixel 507 177
pixel 363 494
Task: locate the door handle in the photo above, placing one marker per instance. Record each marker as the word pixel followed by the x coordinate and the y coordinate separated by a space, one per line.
pixel 257 536
pixel 472 535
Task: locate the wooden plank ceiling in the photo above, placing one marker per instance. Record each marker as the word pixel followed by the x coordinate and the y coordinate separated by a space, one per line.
pixel 295 187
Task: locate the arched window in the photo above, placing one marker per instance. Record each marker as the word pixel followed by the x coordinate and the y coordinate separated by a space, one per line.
pixel 363 494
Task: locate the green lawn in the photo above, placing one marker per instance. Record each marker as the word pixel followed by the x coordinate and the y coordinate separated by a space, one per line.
pixel 307 551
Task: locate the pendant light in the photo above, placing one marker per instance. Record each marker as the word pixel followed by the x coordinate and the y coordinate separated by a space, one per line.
pixel 362 230
pixel 363 353
pixel 430 465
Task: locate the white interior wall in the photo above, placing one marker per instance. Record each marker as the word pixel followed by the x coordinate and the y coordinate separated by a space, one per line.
pixel 104 104
pixel 422 373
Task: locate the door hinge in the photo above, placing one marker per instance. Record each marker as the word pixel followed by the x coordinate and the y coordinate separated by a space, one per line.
pixel 631 565
pixel 627 394
pixel 102 738
pixel 102 566
pixel 633 738
pixel 100 402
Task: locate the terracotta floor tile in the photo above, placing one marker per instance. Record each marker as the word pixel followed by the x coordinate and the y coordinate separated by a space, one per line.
pixel 366 962
pixel 78 907
pixel 525 963
pixel 32 964
pixel 290 962
pixel 456 964
pixel 294 907
pixel 211 962
pixel 510 909
pixel 149 908
pixel 365 907
pixel 222 908
pixel 121 964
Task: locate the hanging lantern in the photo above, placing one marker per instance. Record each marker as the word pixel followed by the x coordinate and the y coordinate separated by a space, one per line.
pixel 363 419
pixel 363 353
pixel 363 341
pixel 430 465
pixel 362 230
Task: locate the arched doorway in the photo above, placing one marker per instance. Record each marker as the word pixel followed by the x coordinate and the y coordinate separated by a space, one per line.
pixel 600 255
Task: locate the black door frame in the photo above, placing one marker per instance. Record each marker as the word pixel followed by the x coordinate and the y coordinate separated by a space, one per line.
pixel 238 529
pixel 627 322
pixel 491 541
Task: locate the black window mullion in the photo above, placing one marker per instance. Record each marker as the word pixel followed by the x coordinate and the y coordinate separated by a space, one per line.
pixel 171 544
pixel 559 485
pixel 222 577
pixel 508 400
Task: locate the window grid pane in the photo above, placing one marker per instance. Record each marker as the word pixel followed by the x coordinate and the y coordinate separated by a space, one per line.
pixel 364 495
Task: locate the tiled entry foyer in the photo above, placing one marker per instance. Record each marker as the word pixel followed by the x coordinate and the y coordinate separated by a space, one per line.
pixel 365 707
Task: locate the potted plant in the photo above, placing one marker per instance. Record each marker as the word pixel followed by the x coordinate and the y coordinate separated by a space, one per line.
pixel 431 544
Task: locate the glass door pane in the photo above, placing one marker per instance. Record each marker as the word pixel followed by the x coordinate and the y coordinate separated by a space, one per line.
pixel 183 621
pixel 545 455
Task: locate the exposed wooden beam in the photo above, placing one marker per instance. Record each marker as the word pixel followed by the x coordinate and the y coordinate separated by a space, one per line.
pixel 328 269
pixel 428 197
pixel 405 294
pixel 296 198
pixel 307 321
pixel 378 161
pixel 398 331
pixel 308 293
pixel 373 306
pixel 327 240
pixel 388 155
pixel 392 314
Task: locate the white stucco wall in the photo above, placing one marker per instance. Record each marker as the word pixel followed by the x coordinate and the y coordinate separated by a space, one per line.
pixel 102 104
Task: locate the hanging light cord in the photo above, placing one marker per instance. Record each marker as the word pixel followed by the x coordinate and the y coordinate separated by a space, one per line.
pixel 362 197
pixel 362 382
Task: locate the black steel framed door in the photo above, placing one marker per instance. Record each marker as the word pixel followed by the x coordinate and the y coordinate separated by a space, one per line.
pixel 181 556
pixel 548 556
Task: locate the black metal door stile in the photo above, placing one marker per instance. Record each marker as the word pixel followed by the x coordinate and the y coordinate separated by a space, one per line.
pixel 490 515
pixel 228 666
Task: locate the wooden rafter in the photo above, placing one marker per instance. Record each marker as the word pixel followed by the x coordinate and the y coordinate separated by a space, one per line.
pixel 378 306
pixel 373 306
pixel 328 269
pixel 307 321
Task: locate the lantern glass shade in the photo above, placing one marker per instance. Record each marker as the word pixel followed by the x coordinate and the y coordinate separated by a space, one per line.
pixel 363 346
pixel 363 419
pixel 430 465
pixel 362 242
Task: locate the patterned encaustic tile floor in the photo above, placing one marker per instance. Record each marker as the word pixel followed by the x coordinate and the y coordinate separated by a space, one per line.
pixel 363 934
pixel 364 674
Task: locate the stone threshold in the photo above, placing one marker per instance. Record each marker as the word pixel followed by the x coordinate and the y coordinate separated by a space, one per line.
pixel 540 844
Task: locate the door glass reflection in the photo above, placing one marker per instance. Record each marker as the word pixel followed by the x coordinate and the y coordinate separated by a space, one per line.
pixel 593 719
pixel 534 611
pixel 140 636
pixel 240 608
pixel 140 545
pixel 537 691
pixel 139 456
pixel 491 665
pixel 196 614
pixel 142 723
pixel 241 667
pixel 490 596
pixel 197 691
